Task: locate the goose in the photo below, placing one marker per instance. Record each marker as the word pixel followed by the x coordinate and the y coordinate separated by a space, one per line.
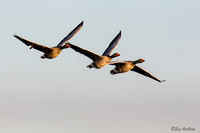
pixel 99 61
pixel 125 66
pixel 51 52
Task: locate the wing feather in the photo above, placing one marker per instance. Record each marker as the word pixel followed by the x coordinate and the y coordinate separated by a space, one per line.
pixel 85 52
pixel 112 45
pixel 34 45
pixel 71 34
pixel 117 63
pixel 145 73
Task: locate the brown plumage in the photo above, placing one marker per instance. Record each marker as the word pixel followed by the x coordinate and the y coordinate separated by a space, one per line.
pixel 52 52
pixel 125 66
pixel 99 61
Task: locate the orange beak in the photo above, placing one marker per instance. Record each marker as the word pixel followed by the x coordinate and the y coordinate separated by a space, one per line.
pixel 67 45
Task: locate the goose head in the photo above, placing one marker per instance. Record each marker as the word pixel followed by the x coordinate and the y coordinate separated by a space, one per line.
pixel 115 55
pixel 65 46
pixel 138 61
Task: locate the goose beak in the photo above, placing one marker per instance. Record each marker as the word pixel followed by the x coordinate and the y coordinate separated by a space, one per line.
pixel 67 45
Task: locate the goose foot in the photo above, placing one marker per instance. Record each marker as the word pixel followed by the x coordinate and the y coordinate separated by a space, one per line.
pixel 89 66
pixel 31 47
pixel 112 72
pixel 42 57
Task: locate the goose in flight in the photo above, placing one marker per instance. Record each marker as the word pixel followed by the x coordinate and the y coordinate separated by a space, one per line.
pixel 99 60
pixel 125 66
pixel 52 52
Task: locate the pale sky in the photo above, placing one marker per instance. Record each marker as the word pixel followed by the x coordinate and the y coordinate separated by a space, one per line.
pixel 63 96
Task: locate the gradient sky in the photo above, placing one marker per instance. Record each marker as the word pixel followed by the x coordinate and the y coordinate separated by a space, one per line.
pixel 63 96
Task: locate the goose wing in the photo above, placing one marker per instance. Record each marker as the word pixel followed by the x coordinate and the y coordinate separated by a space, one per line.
pixel 117 63
pixel 112 45
pixel 34 45
pixel 145 73
pixel 71 34
pixel 86 52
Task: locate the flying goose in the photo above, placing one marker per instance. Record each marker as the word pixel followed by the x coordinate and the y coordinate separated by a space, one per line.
pixel 99 60
pixel 52 52
pixel 125 66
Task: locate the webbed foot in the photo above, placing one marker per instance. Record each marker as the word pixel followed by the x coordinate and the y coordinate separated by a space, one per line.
pixel 42 57
pixel 89 66
pixel 31 47
pixel 112 72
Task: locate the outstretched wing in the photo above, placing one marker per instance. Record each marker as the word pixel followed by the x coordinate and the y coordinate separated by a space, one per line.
pixel 85 52
pixel 70 35
pixel 117 63
pixel 145 73
pixel 34 45
pixel 112 45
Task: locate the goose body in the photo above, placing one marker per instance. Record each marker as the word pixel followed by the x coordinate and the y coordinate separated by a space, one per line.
pixel 125 66
pixel 99 61
pixel 55 51
pixel 51 52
